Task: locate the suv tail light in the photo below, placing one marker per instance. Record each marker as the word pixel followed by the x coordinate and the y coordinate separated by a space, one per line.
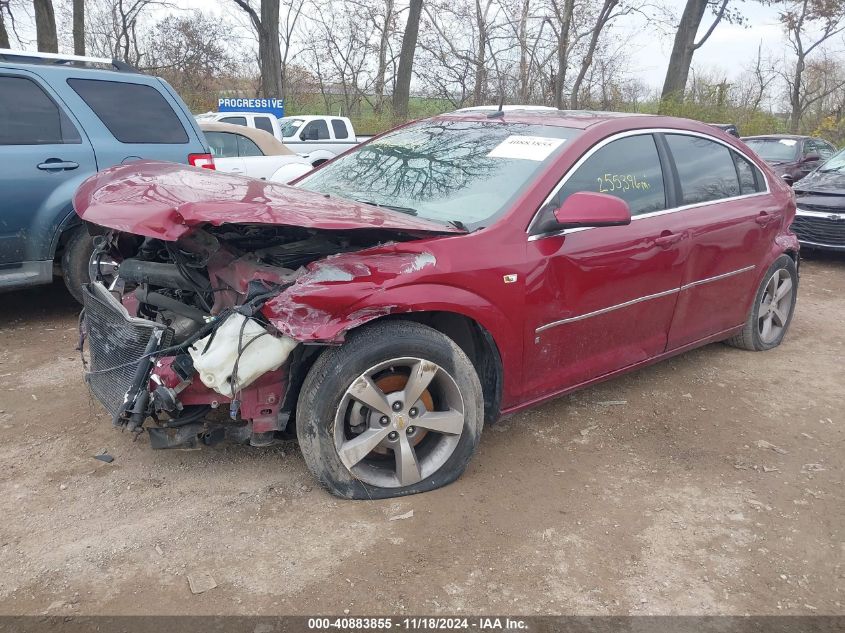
pixel 205 161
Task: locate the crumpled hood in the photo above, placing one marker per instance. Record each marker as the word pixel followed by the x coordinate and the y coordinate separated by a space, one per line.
pixel 165 200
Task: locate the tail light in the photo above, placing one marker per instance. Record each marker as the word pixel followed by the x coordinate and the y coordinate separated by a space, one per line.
pixel 205 161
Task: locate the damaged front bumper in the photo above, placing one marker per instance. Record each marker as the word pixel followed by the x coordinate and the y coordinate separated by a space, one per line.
pixel 227 381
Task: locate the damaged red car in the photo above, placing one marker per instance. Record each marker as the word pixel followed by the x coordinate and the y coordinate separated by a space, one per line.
pixel 443 275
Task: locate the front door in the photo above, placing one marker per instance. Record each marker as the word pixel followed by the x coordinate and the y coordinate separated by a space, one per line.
pixel 45 156
pixel 601 299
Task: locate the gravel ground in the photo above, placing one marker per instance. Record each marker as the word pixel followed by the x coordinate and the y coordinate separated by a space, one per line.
pixel 708 484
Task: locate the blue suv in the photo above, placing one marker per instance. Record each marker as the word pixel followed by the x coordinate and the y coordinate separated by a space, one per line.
pixel 62 118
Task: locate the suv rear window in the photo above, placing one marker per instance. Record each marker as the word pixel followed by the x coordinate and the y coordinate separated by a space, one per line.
pixel 29 117
pixel 133 113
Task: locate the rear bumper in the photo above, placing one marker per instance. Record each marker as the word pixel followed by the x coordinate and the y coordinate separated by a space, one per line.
pixel 820 229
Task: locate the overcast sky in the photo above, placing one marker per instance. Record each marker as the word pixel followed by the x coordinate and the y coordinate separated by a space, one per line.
pixel 730 49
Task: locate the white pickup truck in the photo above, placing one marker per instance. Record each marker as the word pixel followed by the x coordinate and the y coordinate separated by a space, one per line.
pixel 315 137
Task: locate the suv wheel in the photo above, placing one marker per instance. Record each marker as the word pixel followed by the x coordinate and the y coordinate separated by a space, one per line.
pixel 395 411
pixel 75 260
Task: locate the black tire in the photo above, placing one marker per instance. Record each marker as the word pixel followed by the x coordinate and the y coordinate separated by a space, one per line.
pixel 75 260
pixel 334 372
pixel 750 337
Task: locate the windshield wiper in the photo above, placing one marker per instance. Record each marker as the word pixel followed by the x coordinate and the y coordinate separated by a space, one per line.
pixel 458 225
pixel 407 210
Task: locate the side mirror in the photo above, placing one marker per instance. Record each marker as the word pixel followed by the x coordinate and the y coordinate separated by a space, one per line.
pixel 590 208
pixel 812 157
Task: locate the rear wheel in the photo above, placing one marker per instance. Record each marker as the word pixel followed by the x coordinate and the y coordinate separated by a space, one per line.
pixel 75 260
pixel 772 310
pixel 395 411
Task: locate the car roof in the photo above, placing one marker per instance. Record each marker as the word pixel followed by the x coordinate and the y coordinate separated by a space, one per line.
pixel 267 143
pixel 579 119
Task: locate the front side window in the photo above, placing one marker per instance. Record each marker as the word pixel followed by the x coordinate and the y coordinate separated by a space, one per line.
pixel 445 170
pixel 315 131
pixel 29 117
pixel 705 168
pixel 339 128
pixel 133 113
pixel 223 144
pixel 628 168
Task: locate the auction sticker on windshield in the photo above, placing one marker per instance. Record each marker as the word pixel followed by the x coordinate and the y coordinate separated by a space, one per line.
pixel 526 147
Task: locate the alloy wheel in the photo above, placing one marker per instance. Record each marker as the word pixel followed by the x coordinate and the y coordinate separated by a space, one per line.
pixel 399 422
pixel 775 306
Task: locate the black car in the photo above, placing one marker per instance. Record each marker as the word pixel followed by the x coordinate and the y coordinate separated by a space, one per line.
pixel 820 198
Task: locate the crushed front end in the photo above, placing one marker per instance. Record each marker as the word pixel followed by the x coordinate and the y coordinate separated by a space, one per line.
pixel 206 290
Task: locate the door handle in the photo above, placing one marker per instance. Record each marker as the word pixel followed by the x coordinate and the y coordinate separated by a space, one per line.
pixel 57 164
pixel 667 238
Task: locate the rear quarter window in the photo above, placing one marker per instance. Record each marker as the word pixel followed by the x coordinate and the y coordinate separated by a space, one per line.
pixel 133 113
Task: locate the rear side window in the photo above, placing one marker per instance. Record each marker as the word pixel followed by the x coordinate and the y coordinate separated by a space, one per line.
pixel 133 113
pixel 705 168
pixel 315 131
pixel 246 147
pixel 339 128
pixel 264 123
pixel 628 168
pixel 28 116
pixel 223 144
pixel 750 178
pixel 234 120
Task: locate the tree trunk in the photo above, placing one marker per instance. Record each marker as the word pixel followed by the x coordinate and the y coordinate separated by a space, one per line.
pixel 524 67
pixel 384 40
pixel 402 89
pixel 269 53
pixel 795 97
pixel 78 27
pixel 45 26
pixel 565 20
pixel 4 34
pixel 682 51
pixel 601 22
pixel 480 56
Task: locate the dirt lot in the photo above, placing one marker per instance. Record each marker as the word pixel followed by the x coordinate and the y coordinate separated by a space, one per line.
pixel 715 487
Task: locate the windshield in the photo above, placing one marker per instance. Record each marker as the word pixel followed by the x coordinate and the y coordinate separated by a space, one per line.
pixel 774 150
pixel 289 127
pixel 834 163
pixel 460 172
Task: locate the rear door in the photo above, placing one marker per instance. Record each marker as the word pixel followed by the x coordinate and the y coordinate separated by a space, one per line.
pixel 44 154
pixel 601 299
pixel 724 204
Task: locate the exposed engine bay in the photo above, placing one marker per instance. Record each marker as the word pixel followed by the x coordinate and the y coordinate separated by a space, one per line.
pixel 178 334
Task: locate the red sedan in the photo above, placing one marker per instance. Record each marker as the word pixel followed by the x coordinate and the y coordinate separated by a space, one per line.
pixel 446 273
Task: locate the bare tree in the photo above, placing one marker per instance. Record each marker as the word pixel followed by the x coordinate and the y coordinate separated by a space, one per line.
pixel 402 87
pixel 4 34
pixel 809 24
pixel 563 10
pixel 685 45
pixel 45 26
pixel 265 22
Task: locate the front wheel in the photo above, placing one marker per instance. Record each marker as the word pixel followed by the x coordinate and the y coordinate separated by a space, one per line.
pixel 394 411
pixel 772 310
pixel 75 261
